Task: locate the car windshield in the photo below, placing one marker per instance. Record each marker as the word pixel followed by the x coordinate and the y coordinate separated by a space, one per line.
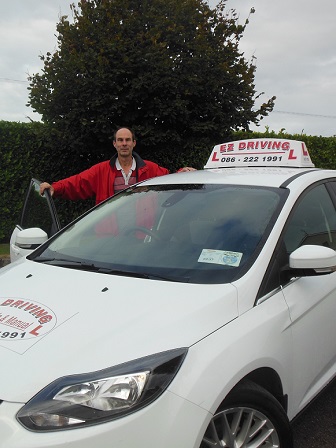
pixel 188 233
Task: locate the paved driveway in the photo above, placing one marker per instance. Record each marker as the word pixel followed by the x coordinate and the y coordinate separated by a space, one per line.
pixel 316 427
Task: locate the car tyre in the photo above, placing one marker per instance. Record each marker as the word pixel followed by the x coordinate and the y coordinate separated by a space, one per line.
pixel 249 417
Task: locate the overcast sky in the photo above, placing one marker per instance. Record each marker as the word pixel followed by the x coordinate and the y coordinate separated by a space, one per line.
pixel 293 41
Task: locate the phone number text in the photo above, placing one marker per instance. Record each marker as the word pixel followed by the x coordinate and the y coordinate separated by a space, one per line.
pixel 252 159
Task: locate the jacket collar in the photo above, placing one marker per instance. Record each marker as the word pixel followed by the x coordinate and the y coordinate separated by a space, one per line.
pixel 138 160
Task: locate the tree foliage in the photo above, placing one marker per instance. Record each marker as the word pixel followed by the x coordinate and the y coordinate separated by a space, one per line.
pixel 171 69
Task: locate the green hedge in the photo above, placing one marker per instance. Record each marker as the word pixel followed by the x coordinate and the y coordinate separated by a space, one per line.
pixel 17 166
pixel 32 150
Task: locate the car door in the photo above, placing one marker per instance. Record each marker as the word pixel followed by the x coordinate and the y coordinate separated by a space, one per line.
pixel 38 212
pixel 311 299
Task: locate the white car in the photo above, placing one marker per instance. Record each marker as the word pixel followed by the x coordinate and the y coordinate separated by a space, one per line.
pixel 193 310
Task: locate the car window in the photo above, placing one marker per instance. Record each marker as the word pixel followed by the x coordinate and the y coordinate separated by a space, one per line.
pixel 313 221
pixel 193 233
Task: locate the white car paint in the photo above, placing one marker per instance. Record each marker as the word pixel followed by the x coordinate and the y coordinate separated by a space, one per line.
pixel 88 318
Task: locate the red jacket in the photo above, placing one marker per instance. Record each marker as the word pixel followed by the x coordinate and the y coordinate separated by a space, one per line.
pixel 98 180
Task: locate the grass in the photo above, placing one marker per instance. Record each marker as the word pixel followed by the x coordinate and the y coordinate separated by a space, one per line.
pixel 4 249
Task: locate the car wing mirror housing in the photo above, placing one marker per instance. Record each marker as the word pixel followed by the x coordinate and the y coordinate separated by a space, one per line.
pixel 30 239
pixel 311 260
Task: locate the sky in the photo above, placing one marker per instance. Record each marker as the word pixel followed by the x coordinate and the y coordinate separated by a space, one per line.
pixel 293 43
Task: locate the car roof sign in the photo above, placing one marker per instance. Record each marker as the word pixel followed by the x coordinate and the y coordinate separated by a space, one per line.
pixel 260 152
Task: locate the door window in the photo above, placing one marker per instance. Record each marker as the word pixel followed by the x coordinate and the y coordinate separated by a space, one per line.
pixel 39 211
pixel 312 222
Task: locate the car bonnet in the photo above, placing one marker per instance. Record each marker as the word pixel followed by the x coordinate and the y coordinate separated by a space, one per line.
pixel 56 321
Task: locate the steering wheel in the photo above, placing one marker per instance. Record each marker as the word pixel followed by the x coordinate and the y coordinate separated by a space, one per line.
pixel 144 230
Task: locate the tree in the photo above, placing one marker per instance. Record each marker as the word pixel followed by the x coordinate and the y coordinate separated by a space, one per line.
pixel 171 69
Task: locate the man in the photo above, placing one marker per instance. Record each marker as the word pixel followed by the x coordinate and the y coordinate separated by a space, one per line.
pixel 107 178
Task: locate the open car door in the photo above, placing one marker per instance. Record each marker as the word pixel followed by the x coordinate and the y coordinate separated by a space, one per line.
pixel 39 221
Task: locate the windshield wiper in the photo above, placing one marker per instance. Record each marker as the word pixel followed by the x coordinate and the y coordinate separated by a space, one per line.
pixel 85 266
pixel 146 275
pixel 64 263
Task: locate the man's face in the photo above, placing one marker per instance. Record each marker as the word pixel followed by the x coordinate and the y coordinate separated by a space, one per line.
pixel 124 143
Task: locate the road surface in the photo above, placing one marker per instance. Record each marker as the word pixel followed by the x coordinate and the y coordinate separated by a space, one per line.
pixel 316 427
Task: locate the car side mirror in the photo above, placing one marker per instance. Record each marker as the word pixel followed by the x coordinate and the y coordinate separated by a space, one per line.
pixel 31 238
pixel 25 241
pixel 313 260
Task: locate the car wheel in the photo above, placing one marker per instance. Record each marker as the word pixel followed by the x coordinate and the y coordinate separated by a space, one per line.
pixel 250 417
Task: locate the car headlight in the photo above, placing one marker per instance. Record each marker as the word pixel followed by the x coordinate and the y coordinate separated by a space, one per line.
pixel 91 398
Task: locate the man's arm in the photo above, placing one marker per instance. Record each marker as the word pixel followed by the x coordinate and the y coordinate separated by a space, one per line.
pixel 79 186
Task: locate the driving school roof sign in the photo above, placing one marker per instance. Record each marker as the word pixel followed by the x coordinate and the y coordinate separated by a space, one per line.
pixel 260 152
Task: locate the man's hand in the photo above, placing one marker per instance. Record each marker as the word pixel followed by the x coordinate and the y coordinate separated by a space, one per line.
pixel 186 168
pixel 46 186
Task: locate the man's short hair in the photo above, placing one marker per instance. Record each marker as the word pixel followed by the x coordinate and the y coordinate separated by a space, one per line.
pixel 123 127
